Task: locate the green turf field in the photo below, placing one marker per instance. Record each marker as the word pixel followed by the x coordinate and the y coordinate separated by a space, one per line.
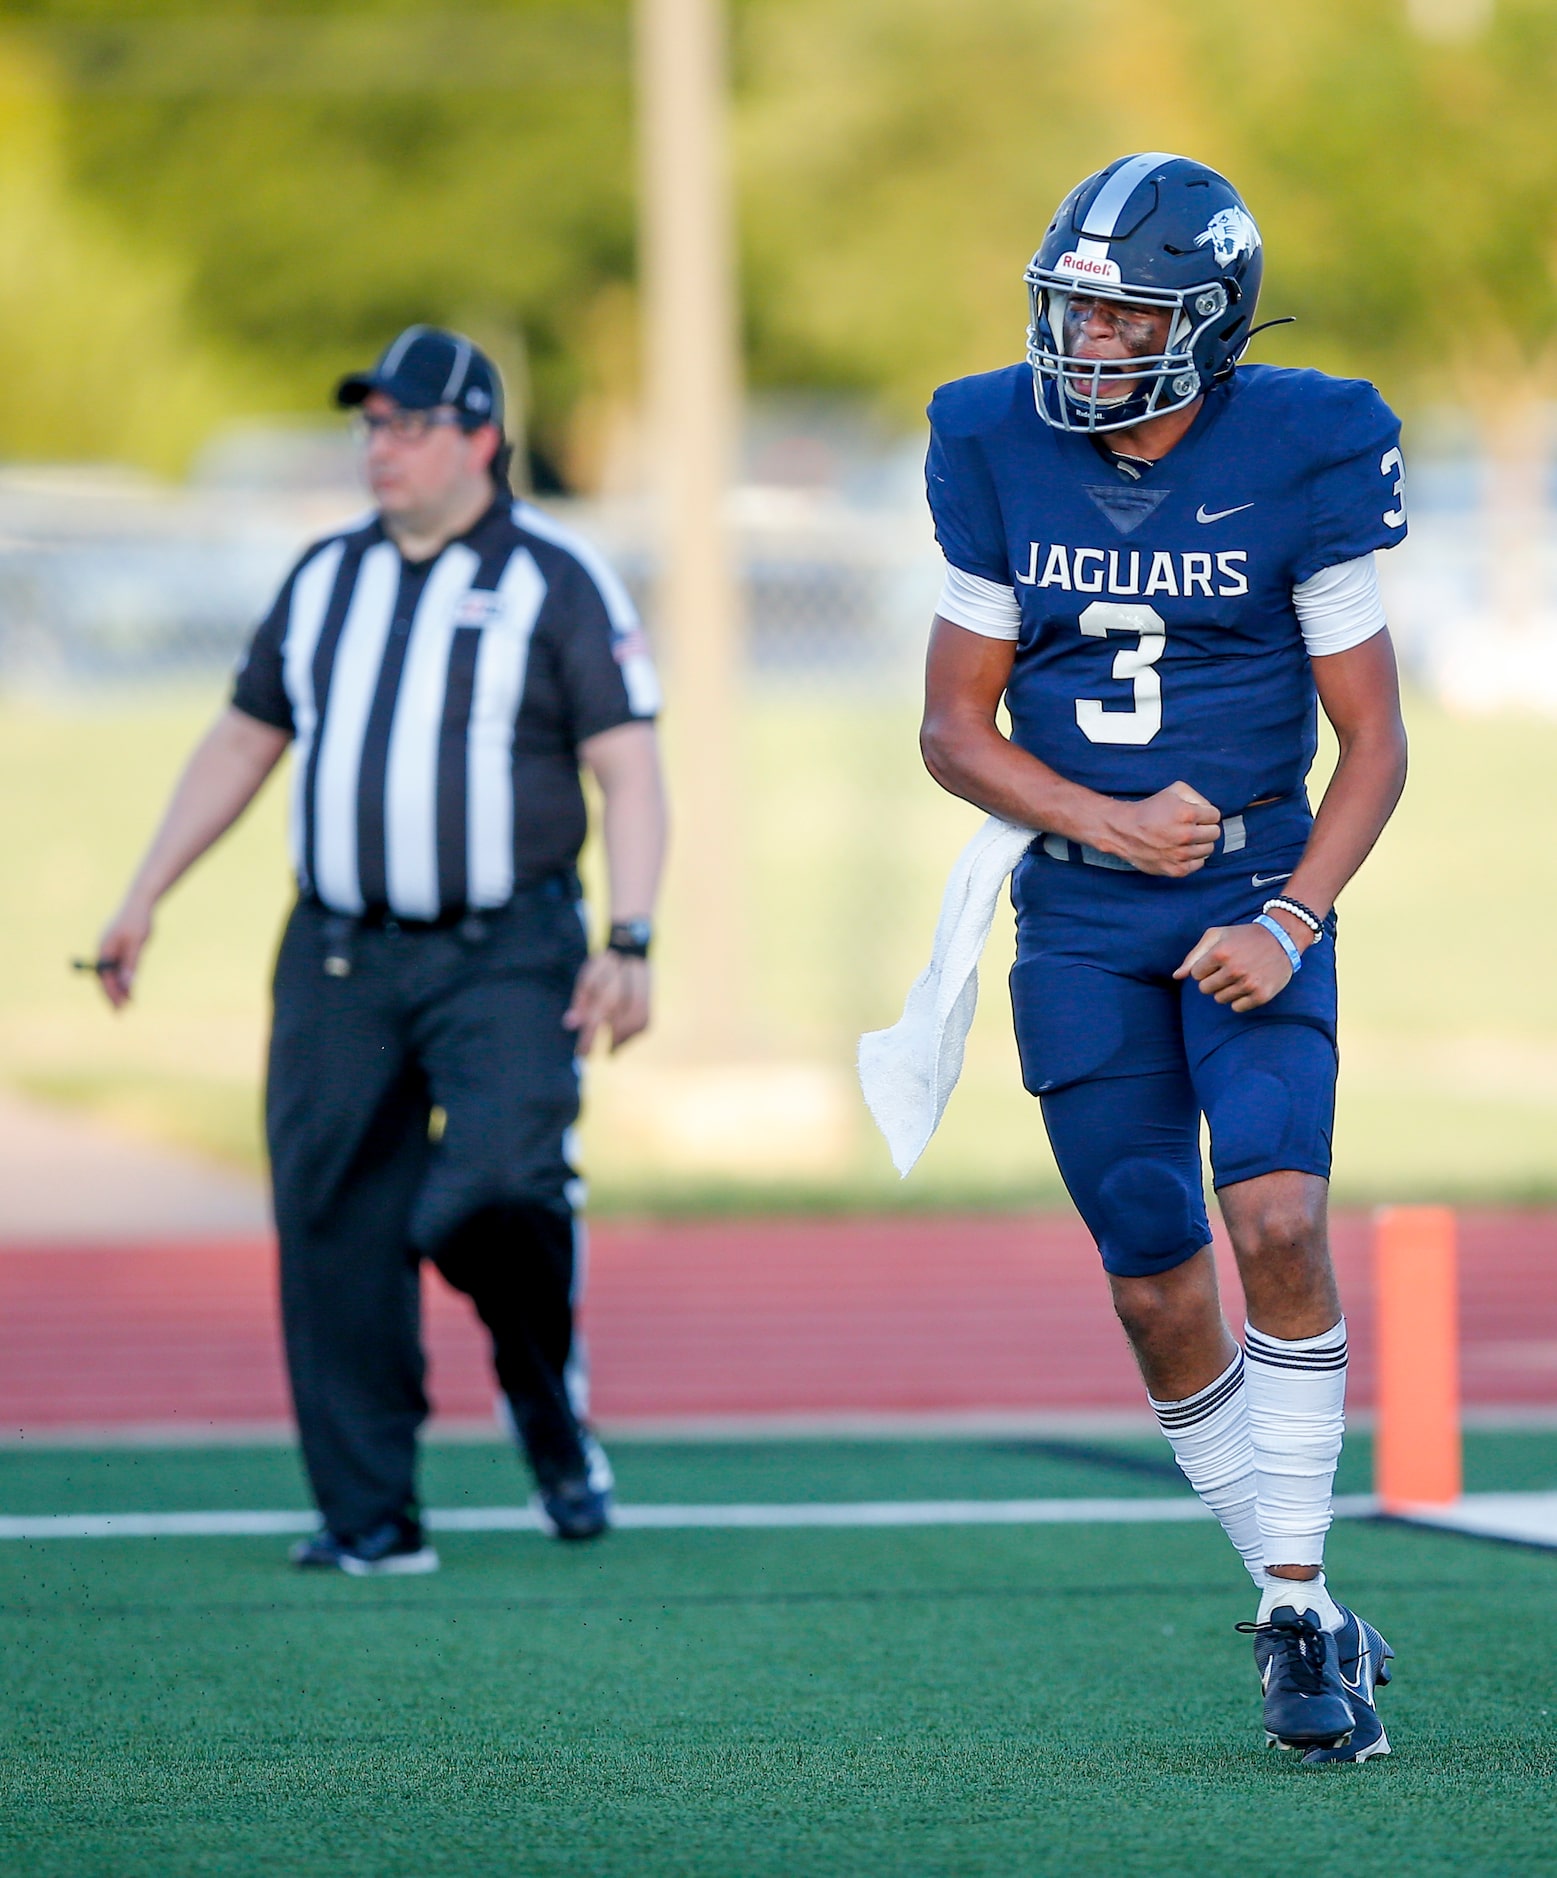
pixel 946 1701
pixel 1450 1060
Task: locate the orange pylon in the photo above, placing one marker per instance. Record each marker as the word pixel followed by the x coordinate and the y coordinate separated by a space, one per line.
pixel 1417 1460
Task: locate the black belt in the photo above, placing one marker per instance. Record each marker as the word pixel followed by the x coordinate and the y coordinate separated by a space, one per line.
pixel 380 919
pixel 470 922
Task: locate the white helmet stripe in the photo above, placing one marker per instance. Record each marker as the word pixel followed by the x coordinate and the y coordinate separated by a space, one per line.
pixel 1108 204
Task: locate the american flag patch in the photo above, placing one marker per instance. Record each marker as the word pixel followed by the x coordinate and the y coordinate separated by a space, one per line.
pixel 479 609
pixel 629 645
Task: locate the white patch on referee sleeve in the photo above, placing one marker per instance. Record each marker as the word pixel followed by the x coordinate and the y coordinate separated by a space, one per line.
pixel 501 663
pixel 981 606
pixel 305 620
pixel 1339 607
pixel 359 656
pixel 641 680
pixel 411 764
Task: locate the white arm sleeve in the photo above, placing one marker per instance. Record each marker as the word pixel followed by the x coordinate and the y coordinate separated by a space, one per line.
pixel 1339 606
pixel 982 606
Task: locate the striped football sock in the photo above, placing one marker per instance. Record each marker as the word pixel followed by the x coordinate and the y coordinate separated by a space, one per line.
pixel 1296 1391
pixel 1210 1435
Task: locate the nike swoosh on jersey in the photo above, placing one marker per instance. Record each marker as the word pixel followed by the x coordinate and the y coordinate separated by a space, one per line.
pixel 1220 515
pixel 1268 880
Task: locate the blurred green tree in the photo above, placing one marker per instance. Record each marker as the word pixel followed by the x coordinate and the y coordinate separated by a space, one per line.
pixel 102 359
pixel 302 179
pixel 330 172
pixel 901 160
pixel 1404 158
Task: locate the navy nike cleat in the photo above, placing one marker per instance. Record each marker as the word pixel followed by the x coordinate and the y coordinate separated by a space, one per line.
pixel 1364 1663
pixel 1306 1702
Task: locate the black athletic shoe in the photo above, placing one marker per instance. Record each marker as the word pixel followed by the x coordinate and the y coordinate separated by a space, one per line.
pixel 1306 1704
pixel 319 1552
pixel 396 1548
pixel 1364 1662
pixel 576 1509
pixel 573 1504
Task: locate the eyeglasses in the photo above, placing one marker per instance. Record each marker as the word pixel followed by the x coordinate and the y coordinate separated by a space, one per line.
pixel 403 426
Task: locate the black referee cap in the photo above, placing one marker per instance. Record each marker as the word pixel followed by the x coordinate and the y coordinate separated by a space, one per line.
pixel 428 366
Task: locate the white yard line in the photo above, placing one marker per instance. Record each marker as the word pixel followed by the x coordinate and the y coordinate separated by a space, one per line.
pixel 1530 1518
pixel 652 1518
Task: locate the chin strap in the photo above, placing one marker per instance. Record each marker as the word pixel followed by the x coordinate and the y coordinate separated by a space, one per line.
pixel 1287 319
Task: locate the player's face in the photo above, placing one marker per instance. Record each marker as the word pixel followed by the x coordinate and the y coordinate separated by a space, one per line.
pixel 1114 329
pixel 416 460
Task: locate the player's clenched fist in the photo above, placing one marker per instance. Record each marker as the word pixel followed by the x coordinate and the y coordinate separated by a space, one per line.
pixel 1169 833
pixel 1238 965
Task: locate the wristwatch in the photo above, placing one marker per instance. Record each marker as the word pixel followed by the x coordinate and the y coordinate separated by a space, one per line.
pixel 630 937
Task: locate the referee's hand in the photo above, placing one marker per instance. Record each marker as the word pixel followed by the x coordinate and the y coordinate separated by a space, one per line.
pixel 610 993
pixel 119 952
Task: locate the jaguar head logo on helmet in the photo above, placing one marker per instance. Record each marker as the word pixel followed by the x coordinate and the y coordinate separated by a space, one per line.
pixel 1171 245
pixel 1231 233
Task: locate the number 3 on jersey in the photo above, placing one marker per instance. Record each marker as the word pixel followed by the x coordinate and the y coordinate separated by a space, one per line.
pixel 1392 460
pixel 1132 665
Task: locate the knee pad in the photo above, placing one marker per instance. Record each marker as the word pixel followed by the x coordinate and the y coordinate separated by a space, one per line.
pixel 1150 1217
pixel 1128 1145
pixel 1129 1152
pixel 1269 1098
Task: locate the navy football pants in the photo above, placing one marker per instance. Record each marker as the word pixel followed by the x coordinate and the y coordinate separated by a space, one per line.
pixel 1125 1061
pixel 470 1023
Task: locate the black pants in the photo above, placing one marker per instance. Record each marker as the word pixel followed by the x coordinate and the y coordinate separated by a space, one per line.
pixel 466 1020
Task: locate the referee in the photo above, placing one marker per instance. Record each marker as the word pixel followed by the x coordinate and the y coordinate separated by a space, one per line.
pixel 441 669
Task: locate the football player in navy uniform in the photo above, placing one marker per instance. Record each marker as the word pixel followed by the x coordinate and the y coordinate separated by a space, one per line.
pixel 1160 559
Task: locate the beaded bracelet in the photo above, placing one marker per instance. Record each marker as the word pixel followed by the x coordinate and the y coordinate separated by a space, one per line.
pixel 1298 911
pixel 1284 938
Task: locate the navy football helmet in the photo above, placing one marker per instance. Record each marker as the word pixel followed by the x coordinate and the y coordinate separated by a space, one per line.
pixel 1150 230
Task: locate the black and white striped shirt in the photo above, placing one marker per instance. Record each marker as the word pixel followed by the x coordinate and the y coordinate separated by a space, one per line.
pixel 437 708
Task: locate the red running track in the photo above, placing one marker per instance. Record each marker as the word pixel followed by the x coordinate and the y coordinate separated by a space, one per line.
pixel 718 1318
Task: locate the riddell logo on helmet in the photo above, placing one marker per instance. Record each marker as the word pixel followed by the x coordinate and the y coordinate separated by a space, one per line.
pixel 1088 267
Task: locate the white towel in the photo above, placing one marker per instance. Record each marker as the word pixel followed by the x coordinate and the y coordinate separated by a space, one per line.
pixel 908 1072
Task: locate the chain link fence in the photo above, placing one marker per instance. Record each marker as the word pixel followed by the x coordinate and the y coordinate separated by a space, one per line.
pixel 107 578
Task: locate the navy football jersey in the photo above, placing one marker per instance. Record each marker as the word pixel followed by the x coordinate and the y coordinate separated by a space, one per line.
pixel 1158 639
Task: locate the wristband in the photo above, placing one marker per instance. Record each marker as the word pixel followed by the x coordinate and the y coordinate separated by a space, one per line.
pixel 1296 908
pixel 630 937
pixel 1283 938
